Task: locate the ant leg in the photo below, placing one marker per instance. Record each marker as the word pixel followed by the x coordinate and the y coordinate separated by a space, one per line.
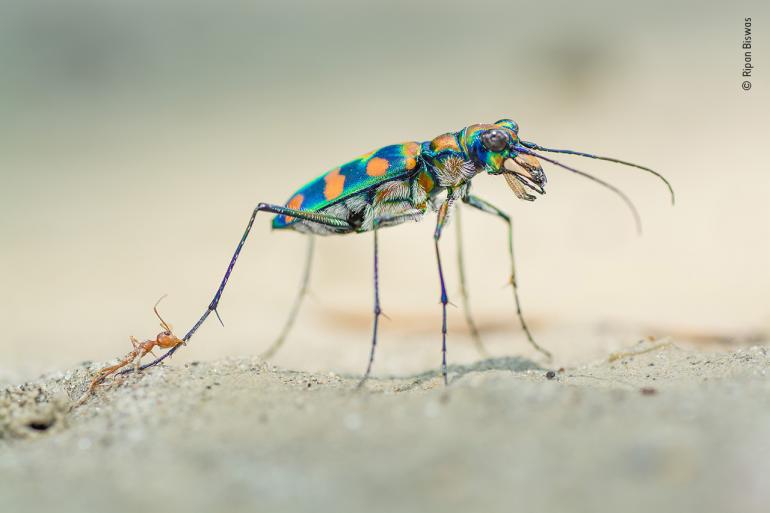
pixel 276 345
pixel 334 222
pixel 464 290
pixel 487 207
pixel 106 371
pixel 134 341
pixel 140 353
pixel 440 223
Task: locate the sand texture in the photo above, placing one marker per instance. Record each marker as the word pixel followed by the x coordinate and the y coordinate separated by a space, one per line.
pixel 667 430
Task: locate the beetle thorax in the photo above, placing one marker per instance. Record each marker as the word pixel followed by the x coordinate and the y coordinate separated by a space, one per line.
pixel 453 171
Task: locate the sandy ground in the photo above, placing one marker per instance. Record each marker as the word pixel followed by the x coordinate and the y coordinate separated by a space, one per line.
pixel 671 429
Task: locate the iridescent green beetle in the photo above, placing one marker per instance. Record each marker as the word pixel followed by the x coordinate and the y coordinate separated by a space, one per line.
pixel 403 182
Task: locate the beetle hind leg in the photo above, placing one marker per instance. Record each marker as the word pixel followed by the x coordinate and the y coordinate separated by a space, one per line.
pixel 314 217
pixel 303 291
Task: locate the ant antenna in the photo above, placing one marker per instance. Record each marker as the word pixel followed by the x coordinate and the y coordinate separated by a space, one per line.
pixel 163 324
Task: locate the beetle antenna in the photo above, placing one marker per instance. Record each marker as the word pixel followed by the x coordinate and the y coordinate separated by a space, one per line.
pixel 534 146
pixel 163 324
pixel 601 182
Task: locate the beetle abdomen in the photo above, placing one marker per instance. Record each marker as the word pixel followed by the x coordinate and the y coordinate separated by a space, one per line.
pixel 391 203
pixel 359 175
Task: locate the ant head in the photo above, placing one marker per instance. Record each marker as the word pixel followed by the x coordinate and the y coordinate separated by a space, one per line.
pixel 166 338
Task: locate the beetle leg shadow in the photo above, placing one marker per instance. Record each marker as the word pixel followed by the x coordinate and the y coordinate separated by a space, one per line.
pixel 514 364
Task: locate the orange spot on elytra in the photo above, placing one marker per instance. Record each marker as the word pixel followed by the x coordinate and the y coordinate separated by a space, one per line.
pixel 294 203
pixel 413 149
pixel 335 183
pixel 377 166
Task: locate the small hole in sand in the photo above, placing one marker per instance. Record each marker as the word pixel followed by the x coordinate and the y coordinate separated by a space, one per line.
pixel 40 425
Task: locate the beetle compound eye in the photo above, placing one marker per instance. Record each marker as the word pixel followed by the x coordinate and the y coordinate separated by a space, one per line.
pixel 494 140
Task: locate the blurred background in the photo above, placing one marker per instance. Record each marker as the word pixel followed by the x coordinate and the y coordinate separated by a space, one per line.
pixel 136 137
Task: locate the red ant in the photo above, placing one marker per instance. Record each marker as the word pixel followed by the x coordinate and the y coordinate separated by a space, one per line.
pixel 165 340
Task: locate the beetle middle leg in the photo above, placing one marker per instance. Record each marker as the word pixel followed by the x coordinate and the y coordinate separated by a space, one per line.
pixel 464 290
pixel 377 310
pixel 303 290
pixel 443 217
pixel 487 207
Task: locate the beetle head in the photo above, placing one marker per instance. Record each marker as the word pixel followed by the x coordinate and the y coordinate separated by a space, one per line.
pixel 494 148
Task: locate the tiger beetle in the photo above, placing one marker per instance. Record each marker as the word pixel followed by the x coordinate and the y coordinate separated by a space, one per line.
pixel 402 182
